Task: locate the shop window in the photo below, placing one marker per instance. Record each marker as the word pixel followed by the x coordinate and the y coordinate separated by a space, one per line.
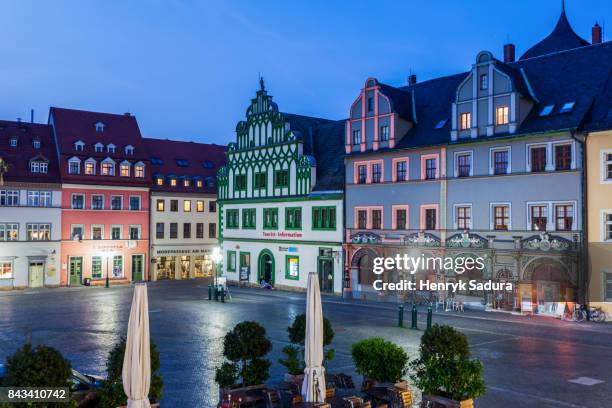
pixel 293 218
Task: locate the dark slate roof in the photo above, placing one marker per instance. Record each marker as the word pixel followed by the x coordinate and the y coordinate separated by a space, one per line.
pixel 204 160
pixel 400 99
pixel 322 139
pixel 562 38
pixel 19 157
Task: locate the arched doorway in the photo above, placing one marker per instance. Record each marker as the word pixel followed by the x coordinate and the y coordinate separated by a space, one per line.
pixel 265 267
pixel 363 264
pixel 550 284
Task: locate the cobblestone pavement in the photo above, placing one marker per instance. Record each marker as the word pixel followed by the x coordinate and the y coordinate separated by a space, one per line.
pixel 529 362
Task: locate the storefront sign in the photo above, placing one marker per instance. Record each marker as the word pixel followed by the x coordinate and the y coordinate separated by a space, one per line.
pixel 281 234
pixel 293 267
pixel 182 251
pixel 287 249
pixel 244 273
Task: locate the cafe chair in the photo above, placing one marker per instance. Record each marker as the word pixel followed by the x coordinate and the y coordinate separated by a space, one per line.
pixel 296 399
pixel 400 398
pixel 273 399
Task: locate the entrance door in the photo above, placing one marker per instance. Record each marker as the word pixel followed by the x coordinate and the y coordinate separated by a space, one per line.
pixel 266 267
pixel 36 273
pixel 326 274
pixel 76 270
pixel 137 267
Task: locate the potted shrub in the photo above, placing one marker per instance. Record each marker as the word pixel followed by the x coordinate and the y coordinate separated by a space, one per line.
pixel 294 353
pixel 112 388
pixel 245 347
pixel 380 360
pixel 444 371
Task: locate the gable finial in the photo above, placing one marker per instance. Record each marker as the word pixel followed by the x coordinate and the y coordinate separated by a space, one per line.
pixel 563 6
pixel 261 83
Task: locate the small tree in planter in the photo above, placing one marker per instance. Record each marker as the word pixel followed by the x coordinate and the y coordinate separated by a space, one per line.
pixel 444 371
pixel 380 360
pixel 245 346
pixel 112 388
pixel 294 353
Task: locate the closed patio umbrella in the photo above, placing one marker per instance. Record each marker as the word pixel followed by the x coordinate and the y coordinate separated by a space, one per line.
pixel 313 387
pixel 136 371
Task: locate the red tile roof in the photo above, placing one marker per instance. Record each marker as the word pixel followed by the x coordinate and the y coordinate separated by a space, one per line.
pixel 202 161
pixel 19 157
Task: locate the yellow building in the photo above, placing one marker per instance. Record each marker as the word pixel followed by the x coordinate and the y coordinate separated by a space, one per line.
pixel 599 228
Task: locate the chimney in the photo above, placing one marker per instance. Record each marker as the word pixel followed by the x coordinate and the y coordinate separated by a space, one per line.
pixel 127 114
pixel 509 50
pixel 412 79
pixel 31 115
pixel 596 36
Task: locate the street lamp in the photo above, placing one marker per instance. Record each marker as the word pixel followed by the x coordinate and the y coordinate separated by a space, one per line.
pixel 216 258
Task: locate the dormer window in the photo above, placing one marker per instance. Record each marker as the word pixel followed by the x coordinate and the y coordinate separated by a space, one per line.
pixel 159 181
pixel 484 82
pixel 567 107
pixel 99 147
pixel 36 143
pixel 108 167
pixel 186 183
pixel 546 110
pixel 74 166
pixel 13 141
pixel 207 164
pixel 139 170
pixel 110 148
pixel 78 146
pixel 124 169
pixel 441 124
pixel 39 167
pixel 99 127
pixel 129 150
pixel 199 183
pixel 501 115
pixel 182 163
pixel 90 167
pixel 173 182
pixel 466 120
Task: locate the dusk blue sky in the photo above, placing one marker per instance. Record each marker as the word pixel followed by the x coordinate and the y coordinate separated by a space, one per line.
pixel 187 69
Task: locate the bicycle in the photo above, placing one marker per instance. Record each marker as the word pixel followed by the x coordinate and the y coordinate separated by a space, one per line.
pixel 597 315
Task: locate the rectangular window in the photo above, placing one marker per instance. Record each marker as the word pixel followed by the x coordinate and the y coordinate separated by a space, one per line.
pixel 370 104
pixel 200 206
pixel 199 230
pixel 384 133
pixel 232 218
pixel 401 170
pixel 74 167
pixel 9 232
pixel 464 165
pixel 607 169
pixel 97 232
pixel 173 230
pixel 159 230
pixel 362 176
pixel 260 180
pixel 186 230
pixel 241 182
pixel 376 173
pixel 281 178
pixel 362 219
pixel 248 218
pixel 292 267
pixel 376 219
pixel 6 270
pixel 116 202
pixel 539 217
pixel 108 169
pixel 293 218
pixel 38 232
pixel 501 217
pixel 501 115
pixel 563 157
pixel 96 267
pixel 9 198
pixel 500 162
pixel 430 169
pixel 117 266
pixel 78 201
pixel 124 170
pixel 431 219
pixel 139 171
pixel 401 217
pixel 484 82
pixel 564 217
pixel 270 218
pixel 324 218
pixel 608 226
pixel 608 286
pixel 538 159
pixel 76 232
pixel 33 198
pixel 186 205
pixel 464 217
pixel 135 231
pixel 134 203
pixel 212 230
pixel 97 202
pixel 466 120
pixel 174 205
pixel 212 206
pixel 356 137
pixel 161 205
pixel 231 261
pixel 116 231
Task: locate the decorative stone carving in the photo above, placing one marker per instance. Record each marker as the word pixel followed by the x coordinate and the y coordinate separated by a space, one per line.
pixel 545 242
pixel 422 239
pixel 466 240
pixel 365 238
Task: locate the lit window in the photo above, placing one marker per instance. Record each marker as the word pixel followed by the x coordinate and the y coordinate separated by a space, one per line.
pixel 90 167
pixel 6 268
pixel 501 217
pixel 567 107
pixel 564 217
pixel 161 205
pixel 125 170
pixel 108 169
pixel 160 181
pixel 501 115
pixel 200 206
pixel 187 205
pixel 546 110
pixel 173 182
pixel 199 183
pixel 186 183
pixel 139 170
pixel 466 120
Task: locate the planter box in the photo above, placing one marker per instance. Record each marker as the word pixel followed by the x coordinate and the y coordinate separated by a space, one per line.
pixel 442 402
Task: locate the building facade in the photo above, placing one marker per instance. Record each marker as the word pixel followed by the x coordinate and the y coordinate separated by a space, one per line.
pixel 486 163
pixel 184 216
pixel 30 199
pixel 105 174
pixel 280 197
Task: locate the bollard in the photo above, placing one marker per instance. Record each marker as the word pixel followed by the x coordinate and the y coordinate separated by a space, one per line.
pixel 209 292
pixel 414 317
pixel 429 316
pixel 222 294
pixel 400 317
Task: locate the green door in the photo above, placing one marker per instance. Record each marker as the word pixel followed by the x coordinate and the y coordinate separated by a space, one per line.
pixel 326 274
pixel 36 271
pixel 137 267
pixel 76 270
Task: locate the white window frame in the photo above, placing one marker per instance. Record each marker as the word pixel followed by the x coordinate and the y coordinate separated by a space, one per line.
pixel 139 203
pixel 99 127
pixel 111 148
pixel 492 151
pixel 35 196
pixel 81 226
pixel 91 232
pixel 111 202
pixel 456 161
pixel 554 213
pixel 554 156
pixel 605 272
pixel 129 150
pixel 79 145
pixel 93 161
pixel 77 161
pixel 603 155
pixel 550 217
pixel 129 168
pixel 529 146
pixel 603 223
pixel 72 201
pixel 92 200
pixel 492 215
pixel 107 161
pixel 139 165
pixel 120 226
pixel 12 269
pixel 99 147
pixel 455 218
pixel 138 227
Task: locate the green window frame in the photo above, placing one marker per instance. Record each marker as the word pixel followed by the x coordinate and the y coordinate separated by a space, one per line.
pixel 248 218
pixel 260 180
pixel 281 178
pixel 231 261
pixel 324 218
pixel 240 182
pixel 292 261
pixel 245 260
pixel 96 267
pixel 293 218
pixel 270 220
pixel 232 218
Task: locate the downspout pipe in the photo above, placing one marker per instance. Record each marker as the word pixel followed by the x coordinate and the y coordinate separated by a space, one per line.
pixel 583 263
